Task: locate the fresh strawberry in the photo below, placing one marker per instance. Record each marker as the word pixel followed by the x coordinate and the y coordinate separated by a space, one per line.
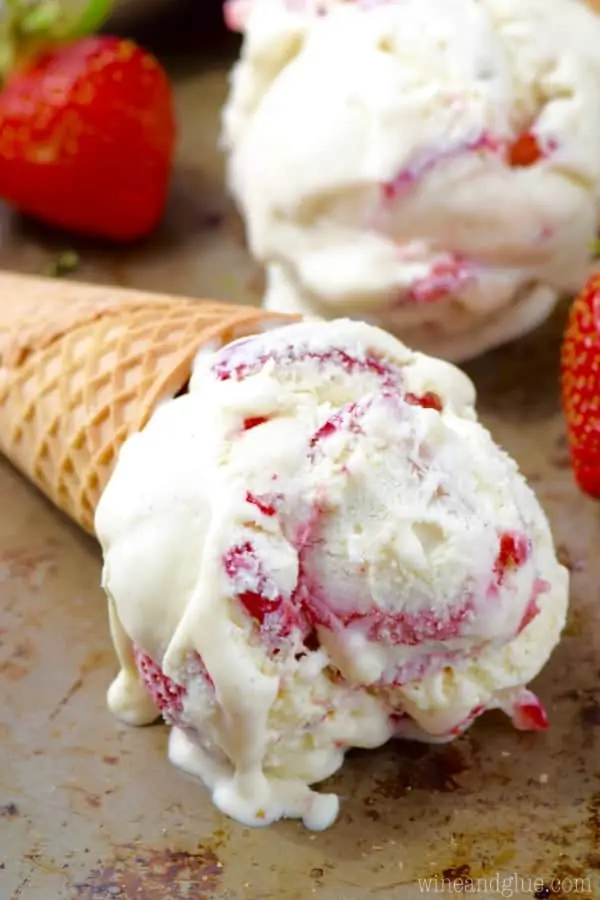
pixel 87 132
pixel 581 386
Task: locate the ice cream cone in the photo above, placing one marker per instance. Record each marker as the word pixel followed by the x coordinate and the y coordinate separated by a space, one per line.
pixel 83 367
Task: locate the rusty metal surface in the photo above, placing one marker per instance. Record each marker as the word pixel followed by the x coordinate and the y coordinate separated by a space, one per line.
pixel 90 809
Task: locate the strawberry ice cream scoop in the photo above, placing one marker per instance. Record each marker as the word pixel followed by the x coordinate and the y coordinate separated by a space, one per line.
pixel 319 547
pixel 431 166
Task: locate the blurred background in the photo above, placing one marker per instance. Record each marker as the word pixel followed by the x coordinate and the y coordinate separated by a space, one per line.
pixel 176 25
pixel 199 248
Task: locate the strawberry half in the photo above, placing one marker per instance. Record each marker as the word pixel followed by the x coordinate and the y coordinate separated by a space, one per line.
pixel 581 386
pixel 87 133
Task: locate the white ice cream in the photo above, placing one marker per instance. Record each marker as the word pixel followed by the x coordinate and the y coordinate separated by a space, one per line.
pixel 321 548
pixel 432 166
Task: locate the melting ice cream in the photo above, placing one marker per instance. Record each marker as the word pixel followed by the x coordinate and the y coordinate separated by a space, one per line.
pixel 319 547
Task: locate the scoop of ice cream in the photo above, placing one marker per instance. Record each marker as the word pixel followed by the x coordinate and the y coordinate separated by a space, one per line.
pixel 432 166
pixel 319 547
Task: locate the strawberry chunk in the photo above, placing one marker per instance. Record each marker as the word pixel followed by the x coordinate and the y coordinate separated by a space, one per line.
pixel 527 150
pixel 513 552
pixel 428 400
pixel 252 587
pixel 253 422
pixel 529 714
pixel 276 616
pixel 167 695
pixel 524 151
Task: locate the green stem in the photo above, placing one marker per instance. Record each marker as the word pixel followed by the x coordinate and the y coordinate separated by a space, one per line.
pixel 28 27
pixel 94 15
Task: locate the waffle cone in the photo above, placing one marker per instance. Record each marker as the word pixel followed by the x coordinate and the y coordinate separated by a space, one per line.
pixel 83 367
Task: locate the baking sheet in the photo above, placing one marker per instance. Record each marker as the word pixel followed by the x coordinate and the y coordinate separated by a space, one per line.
pixel 91 809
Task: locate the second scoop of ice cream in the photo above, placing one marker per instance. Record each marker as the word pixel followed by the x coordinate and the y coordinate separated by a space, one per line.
pixel 430 165
pixel 317 548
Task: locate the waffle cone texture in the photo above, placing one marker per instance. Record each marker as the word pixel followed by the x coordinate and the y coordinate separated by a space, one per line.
pixel 83 367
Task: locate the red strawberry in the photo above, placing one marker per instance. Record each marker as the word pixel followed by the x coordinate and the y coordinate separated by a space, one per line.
pixel 581 386
pixel 87 132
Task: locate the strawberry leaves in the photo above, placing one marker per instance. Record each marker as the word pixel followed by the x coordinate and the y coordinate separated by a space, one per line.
pixel 28 27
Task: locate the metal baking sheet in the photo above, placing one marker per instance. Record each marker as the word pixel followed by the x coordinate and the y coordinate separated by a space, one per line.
pixel 91 809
